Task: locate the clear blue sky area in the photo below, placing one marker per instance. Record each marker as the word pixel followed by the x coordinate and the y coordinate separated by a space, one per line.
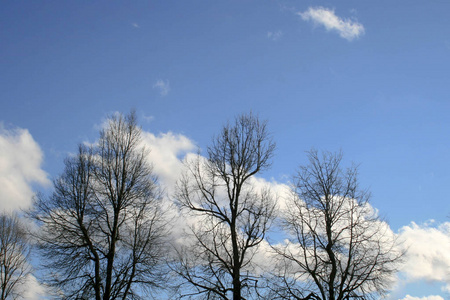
pixel 379 94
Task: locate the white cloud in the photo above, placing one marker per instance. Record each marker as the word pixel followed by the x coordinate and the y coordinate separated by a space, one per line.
pixel 281 192
pixel 20 167
pixel 166 155
pixel 427 257
pixel 346 28
pixel 33 290
pixel 408 297
pixel 274 35
pixel 136 25
pixel 162 86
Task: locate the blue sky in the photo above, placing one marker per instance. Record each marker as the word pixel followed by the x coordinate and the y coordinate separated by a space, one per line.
pixel 374 83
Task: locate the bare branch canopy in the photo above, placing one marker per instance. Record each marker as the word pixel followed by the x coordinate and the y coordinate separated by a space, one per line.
pixel 338 247
pixel 103 230
pixel 234 216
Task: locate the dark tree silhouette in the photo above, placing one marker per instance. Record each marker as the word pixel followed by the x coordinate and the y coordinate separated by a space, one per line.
pixel 14 254
pixel 103 229
pixel 234 216
pixel 338 247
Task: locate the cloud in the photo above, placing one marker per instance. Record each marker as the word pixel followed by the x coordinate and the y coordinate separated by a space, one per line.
pixel 135 25
pixel 346 28
pixel 167 151
pixel 427 257
pixel 20 168
pixel 33 290
pixel 408 297
pixel 274 35
pixel 281 192
pixel 148 118
pixel 162 86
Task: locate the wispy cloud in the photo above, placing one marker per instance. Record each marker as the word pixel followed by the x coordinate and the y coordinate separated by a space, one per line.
pixel 274 35
pixel 408 297
pixel 135 25
pixel 163 86
pixel 346 28
pixel 148 118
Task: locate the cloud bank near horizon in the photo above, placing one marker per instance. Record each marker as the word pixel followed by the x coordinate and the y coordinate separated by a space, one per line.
pixel 21 159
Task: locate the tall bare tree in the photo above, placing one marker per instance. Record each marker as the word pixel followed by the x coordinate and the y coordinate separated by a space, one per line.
pixel 103 229
pixel 338 247
pixel 232 216
pixel 14 253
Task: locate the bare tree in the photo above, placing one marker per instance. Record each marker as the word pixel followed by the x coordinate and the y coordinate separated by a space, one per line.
pixel 103 229
pixel 232 216
pixel 14 253
pixel 338 247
